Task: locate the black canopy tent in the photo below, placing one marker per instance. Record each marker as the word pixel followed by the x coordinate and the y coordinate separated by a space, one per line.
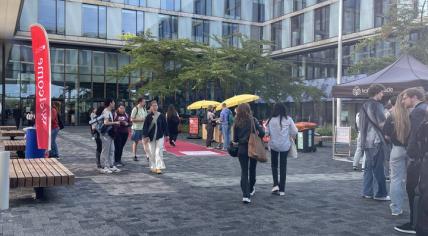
pixel 404 73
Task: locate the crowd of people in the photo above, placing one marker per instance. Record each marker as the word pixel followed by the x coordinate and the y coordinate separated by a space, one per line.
pixel 390 141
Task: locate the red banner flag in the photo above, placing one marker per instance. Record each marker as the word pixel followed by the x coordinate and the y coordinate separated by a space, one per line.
pixel 42 73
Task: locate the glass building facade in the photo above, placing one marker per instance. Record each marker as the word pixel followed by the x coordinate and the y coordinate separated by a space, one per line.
pixel 86 37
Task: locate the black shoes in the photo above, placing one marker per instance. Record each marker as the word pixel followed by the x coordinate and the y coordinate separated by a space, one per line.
pixel 406 228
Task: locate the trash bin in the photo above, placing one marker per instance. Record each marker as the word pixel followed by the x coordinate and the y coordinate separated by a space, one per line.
pixel 305 140
pixel 31 150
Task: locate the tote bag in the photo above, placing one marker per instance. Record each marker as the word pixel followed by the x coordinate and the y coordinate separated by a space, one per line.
pixel 293 149
pixel 256 148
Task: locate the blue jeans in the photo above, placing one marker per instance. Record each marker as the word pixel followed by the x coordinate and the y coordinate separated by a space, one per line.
pixel 374 167
pixel 398 163
pixel 54 148
pixel 226 135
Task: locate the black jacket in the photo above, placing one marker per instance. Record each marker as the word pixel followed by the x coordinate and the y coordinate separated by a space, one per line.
pixel 173 123
pixel 161 124
pixel 389 130
pixel 241 135
pixel 417 116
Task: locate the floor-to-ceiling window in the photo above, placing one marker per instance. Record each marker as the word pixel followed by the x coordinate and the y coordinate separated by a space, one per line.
pixel 51 14
pixel 380 11
pixel 298 4
pixel 321 23
pixel 297 30
pixel 94 21
pixel 202 7
pixel 168 27
pixel 276 35
pixel 351 16
pixel 129 22
pixel 200 31
pixel 278 8
pixel 170 5
pixel 232 9
pixel 258 10
pixel 230 33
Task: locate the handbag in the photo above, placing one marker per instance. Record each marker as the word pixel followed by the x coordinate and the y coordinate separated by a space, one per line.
pixel 293 149
pixel 256 148
pixel 232 150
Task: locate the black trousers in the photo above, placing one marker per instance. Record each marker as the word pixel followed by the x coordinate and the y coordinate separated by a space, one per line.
pixel 422 218
pixel 413 171
pixel 99 143
pixel 119 142
pixel 248 175
pixel 210 134
pixel 282 168
pixel 172 137
pixel 17 122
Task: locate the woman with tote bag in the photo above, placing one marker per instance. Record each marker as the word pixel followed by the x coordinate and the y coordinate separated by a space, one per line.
pixel 280 128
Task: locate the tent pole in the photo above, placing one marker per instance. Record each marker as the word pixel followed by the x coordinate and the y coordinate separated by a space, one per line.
pixel 339 62
pixel 333 127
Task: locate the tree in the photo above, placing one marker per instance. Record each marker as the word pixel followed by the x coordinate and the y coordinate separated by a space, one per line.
pixel 406 26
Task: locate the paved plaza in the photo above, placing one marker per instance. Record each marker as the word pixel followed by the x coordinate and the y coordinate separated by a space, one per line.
pixel 197 195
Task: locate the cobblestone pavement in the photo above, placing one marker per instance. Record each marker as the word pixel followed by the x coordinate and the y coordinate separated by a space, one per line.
pixel 197 196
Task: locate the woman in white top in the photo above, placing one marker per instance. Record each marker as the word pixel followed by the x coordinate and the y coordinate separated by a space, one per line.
pixel 281 130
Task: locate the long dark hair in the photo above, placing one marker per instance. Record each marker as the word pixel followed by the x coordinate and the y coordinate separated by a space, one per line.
pixel 243 115
pixel 279 110
pixel 171 112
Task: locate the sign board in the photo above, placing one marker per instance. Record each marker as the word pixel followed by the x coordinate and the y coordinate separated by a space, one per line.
pixel 343 135
pixel 194 126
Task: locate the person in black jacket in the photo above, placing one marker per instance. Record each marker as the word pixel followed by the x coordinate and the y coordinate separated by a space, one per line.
pixel 413 98
pixel 241 134
pixel 173 121
pixel 154 130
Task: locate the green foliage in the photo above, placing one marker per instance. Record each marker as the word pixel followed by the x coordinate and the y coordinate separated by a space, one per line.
pixel 175 65
pixel 325 130
pixel 406 26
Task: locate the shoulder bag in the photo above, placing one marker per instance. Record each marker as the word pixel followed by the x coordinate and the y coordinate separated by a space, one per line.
pixel 256 148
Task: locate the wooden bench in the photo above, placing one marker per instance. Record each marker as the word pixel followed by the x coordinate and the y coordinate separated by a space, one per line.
pixel 17 146
pixel 7 127
pixel 320 139
pixel 38 173
pixel 12 133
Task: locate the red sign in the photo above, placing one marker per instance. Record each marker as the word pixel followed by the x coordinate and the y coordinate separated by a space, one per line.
pixel 42 73
pixel 193 126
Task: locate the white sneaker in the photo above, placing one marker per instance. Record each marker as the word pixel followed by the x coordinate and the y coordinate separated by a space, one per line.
pixel 275 189
pixel 397 213
pixel 281 194
pixel 246 200
pixel 105 170
pixel 253 192
pixel 114 169
pixel 387 198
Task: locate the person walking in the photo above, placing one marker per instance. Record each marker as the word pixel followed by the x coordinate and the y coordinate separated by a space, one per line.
pixel 211 123
pixel 225 117
pixel 120 134
pixel 413 98
pixel 359 153
pixel 282 130
pixel 17 114
pixel 30 118
pixel 242 129
pixel 154 131
pixel 96 113
pixel 396 130
pixel 53 153
pixel 372 120
pixel 138 115
pixel 107 153
pixel 173 120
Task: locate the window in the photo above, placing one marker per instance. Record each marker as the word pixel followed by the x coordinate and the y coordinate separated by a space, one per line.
pixel 94 21
pixel 168 27
pixel 297 30
pixel 129 22
pixel 51 14
pixel 200 31
pixel 232 9
pixel 276 35
pixel 171 5
pixel 256 32
pixel 351 16
pixel 140 22
pixel 258 10
pixel 278 8
pixel 380 11
pixel 322 22
pixel 230 32
pixel 299 5
pixel 202 7
pixel 132 2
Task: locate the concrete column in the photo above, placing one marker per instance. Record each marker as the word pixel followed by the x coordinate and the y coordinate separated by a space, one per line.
pixel 4 180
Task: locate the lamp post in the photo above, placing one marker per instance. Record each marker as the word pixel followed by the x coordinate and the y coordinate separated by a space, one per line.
pixel 339 63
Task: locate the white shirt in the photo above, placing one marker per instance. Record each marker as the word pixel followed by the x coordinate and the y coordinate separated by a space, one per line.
pixel 280 134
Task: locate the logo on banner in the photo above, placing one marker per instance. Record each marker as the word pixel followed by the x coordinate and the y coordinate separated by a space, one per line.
pixel 42 71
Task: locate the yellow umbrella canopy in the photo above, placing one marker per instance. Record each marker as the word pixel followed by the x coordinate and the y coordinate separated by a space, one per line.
pixel 202 104
pixel 239 99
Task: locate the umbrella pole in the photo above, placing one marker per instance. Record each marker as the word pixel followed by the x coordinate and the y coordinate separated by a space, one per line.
pixel 333 128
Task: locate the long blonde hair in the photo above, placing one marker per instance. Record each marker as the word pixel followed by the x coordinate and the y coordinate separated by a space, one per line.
pixel 401 119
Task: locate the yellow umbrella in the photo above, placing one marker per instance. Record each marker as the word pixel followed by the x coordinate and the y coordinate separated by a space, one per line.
pixel 202 104
pixel 239 99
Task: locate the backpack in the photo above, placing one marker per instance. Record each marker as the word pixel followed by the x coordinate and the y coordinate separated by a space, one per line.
pixel 230 119
pixel 103 129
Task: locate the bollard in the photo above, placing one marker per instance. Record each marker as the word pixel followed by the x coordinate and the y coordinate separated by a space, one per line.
pixel 4 180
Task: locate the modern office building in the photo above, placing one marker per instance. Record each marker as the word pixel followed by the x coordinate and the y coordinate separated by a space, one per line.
pixel 85 36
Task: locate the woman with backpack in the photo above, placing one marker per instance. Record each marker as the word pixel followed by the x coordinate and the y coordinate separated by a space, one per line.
pixel 107 133
pixel 173 120
pixel 154 130
pixel 121 134
pixel 282 130
pixel 95 134
pixel 242 129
